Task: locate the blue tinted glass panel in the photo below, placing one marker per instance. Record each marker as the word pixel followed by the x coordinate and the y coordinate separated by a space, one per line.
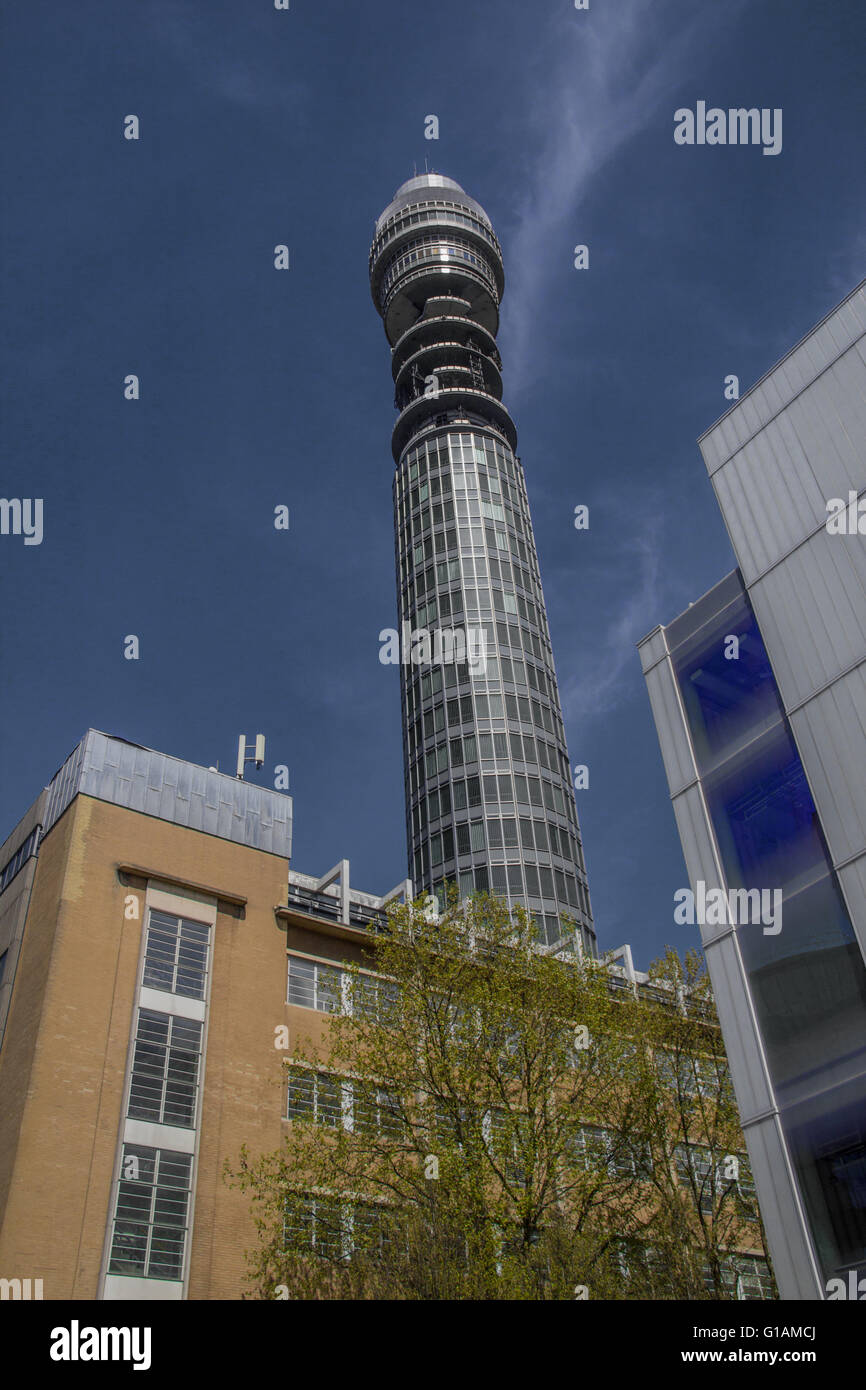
pixel 807 980
pixel 727 684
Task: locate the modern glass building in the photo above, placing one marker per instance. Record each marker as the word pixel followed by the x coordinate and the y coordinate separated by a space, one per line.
pixel 758 692
pixel 489 796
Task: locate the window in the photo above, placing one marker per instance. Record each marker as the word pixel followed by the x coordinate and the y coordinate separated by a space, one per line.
pixel 434 721
pixel 325 1098
pixel 730 1174
pixel 693 1076
pixel 507 1139
pixel 369 1229
pixel 314 1225
pixel 175 958
pixel 450 1119
pixel 334 1229
pixel 165 1069
pixel 314 1096
pixel 498 880
pixel 313 985
pixel 316 985
pixel 697 1170
pixel 373 998
pixel 509 832
pixel 605 1149
pixel 151 1215
pixel 748 1277
pixel 589 1146
pixel 747 1198
pixel 639 1260
pixel 375 1110
pixel 20 857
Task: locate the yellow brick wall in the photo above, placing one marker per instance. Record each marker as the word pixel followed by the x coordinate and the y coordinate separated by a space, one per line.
pixel 65 1053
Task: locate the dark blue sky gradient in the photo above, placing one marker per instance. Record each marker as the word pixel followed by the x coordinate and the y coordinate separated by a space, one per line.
pixel 259 387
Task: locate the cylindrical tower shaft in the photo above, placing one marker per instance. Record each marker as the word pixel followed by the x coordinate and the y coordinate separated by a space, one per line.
pixel 489 798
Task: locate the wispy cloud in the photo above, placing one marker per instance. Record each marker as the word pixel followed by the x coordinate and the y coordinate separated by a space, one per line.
pixel 632 581
pixel 606 74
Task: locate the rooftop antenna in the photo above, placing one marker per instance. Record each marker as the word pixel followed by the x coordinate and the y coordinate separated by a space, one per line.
pixel 252 753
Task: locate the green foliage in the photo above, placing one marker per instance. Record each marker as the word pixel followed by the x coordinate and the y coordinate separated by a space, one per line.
pixel 491 1121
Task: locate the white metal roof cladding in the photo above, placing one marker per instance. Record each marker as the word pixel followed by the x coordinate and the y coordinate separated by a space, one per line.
pixel 773 488
pixel 111 769
pixel 424 187
pixel 795 441
pixel 775 460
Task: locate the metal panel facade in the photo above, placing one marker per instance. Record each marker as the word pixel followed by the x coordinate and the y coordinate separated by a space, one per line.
pixel 806 584
pixel 793 443
pixel 143 780
pixel 794 1264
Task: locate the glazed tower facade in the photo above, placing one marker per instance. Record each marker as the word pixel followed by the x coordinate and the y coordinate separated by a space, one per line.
pixel 489 798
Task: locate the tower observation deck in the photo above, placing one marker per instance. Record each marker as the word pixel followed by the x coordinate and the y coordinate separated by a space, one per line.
pixel 489 798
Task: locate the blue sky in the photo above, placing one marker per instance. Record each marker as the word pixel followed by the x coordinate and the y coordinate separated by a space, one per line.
pixel 259 388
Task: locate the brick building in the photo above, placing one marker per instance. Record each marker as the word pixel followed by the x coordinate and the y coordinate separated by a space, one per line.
pixel 146 910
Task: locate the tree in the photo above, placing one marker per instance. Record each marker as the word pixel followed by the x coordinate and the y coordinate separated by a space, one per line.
pixel 705 1205
pixel 480 1126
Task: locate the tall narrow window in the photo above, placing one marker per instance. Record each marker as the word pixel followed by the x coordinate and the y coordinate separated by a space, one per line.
pixel 165 1069
pixel 175 958
pixel 151 1214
